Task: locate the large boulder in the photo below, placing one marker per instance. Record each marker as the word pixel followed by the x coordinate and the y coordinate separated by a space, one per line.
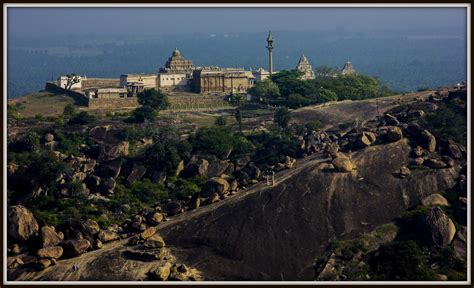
pixel 343 164
pixel 394 133
pixel 21 224
pixel 172 208
pixel 455 150
pixel 366 139
pixel 155 241
pixel 107 185
pixel 215 185
pixel 107 236
pixel 88 165
pixel 54 252
pixel 93 183
pixel 437 227
pixel 49 237
pixel 460 243
pixel 162 272
pixel 205 165
pixel 148 233
pixel 114 151
pixel 434 200
pixel 428 140
pixel 89 227
pixel 138 171
pixel 73 248
pixel 99 133
pixel 154 218
pixel 111 169
pixel 435 163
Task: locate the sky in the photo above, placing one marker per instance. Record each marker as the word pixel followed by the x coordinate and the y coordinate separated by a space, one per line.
pixel 31 22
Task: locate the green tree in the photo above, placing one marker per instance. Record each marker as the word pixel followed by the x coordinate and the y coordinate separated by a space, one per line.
pixel 153 98
pixel 214 140
pixel 289 82
pixel 282 117
pixel 325 71
pixel 265 90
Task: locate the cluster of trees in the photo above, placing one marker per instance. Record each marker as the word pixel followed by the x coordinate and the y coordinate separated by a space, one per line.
pixel 152 101
pixel 288 89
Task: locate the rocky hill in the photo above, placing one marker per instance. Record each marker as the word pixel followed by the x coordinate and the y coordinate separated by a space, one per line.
pixel 345 182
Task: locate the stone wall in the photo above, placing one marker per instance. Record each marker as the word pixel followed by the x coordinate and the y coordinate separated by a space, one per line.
pixel 100 83
pixel 111 103
pixel 79 97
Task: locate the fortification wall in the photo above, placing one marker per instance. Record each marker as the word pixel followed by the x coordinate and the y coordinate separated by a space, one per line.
pixel 100 83
pixel 78 96
pixel 113 103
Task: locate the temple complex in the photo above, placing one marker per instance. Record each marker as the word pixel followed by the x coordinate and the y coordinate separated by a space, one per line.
pixel 178 75
pixel 306 68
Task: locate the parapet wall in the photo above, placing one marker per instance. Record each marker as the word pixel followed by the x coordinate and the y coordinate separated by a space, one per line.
pixel 113 103
pixel 100 83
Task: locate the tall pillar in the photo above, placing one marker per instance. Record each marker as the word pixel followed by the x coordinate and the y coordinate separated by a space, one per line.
pixel 270 48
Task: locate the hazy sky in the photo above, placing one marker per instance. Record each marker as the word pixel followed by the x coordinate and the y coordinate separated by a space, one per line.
pixel 39 21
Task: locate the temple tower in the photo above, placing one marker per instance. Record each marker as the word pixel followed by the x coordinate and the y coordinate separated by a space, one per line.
pixel 305 67
pixel 270 48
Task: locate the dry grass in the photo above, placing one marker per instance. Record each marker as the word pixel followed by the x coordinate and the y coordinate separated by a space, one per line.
pixel 44 103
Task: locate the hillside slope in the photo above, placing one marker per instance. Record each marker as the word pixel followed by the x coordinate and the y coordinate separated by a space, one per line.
pixel 274 233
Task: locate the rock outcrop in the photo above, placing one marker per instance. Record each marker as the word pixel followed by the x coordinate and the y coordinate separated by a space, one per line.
pixel 22 224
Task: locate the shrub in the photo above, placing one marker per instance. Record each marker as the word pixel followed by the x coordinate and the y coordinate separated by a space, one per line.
pixel 141 114
pixel 313 125
pixel 215 140
pixel 26 143
pixel 69 110
pixel 38 170
pixel 82 118
pixel 401 260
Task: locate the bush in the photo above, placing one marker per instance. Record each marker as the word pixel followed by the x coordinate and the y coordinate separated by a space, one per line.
pixel 141 114
pixel 272 148
pixel 313 125
pixel 70 143
pixel 167 154
pixel 215 140
pixel 36 170
pixel 82 118
pixel 70 110
pixel 26 143
pixel 401 260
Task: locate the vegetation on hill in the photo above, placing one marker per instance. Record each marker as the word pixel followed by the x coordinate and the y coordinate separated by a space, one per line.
pixel 288 89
